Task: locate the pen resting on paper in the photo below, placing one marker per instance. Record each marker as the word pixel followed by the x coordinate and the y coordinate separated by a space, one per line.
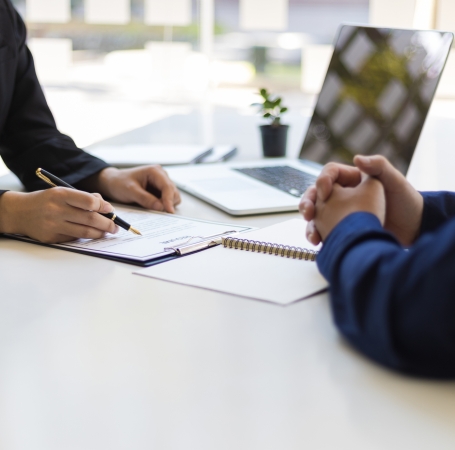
pixel 54 181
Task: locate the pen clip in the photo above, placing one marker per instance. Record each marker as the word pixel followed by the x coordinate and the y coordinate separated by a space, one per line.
pixel 44 178
pixel 207 242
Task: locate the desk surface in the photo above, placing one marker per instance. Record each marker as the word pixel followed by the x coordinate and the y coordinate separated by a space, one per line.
pixel 93 357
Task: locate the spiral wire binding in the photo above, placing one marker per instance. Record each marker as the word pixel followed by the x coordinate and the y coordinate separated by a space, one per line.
pixel 285 251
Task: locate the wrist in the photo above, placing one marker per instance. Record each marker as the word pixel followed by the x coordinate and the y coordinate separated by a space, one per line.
pixel 9 217
pixel 354 223
pixel 100 182
pixel 419 206
pixel 327 226
pixel 105 182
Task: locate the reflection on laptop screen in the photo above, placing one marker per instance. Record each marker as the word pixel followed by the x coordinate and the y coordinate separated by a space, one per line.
pixel 376 95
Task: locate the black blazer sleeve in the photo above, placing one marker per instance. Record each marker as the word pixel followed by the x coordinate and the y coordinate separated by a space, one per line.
pixel 28 134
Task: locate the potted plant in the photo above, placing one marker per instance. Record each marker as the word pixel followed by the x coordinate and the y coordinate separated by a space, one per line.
pixel 274 135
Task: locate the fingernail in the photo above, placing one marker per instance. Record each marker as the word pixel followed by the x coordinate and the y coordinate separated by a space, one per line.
pixel 116 230
pixel 303 210
pixel 365 159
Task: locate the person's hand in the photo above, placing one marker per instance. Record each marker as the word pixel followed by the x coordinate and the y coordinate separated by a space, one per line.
pixel 55 215
pixel 148 186
pixel 332 173
pixel 367 196
pixel 404 205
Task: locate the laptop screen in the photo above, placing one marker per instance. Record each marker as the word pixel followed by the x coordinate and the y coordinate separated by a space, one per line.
pixel 376 95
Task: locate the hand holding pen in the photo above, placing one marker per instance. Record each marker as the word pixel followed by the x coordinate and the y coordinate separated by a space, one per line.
pixel 54 181
pixel 60 215
pixel 55 215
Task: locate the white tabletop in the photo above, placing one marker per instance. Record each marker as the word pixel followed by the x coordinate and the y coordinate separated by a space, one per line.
pixel 93 357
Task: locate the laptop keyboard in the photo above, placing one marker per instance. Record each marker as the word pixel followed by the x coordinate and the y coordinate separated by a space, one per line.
pixel 284 178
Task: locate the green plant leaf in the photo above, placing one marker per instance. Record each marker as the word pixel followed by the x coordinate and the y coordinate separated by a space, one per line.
pixel 263 92
pixel 283 110
pixel 267 115
pixel 256 104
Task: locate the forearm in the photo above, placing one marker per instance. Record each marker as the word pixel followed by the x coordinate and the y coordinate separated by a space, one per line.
pixel 393 305
pixel 59 156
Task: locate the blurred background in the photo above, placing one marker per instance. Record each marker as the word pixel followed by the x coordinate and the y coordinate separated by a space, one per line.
pixel 108 66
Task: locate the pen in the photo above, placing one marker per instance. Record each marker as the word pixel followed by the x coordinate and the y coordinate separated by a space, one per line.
pixel 53 181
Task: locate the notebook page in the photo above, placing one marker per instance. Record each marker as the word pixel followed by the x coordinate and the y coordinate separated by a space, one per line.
pixel 291 232
pixel 246 274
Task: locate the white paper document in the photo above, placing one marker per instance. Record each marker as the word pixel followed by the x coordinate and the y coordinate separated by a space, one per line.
pixel 257 276
pixel 143 154
pixel 160 231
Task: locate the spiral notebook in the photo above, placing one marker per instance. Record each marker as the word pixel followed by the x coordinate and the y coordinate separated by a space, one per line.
pixel 269 248
pixel 274 264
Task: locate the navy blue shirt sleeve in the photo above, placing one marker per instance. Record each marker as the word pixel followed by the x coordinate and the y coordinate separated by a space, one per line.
pixel 396 306
pixel 437 209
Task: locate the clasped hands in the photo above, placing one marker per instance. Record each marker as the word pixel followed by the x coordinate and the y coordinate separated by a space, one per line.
pixel 372 186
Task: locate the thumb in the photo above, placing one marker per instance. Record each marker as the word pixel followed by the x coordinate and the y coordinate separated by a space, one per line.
pixel 379 167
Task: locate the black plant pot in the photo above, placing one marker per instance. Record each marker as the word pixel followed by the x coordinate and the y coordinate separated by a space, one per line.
pixel 274 140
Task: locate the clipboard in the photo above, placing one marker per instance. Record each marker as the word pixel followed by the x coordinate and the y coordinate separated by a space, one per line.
pixel 165 237
pixel 177 252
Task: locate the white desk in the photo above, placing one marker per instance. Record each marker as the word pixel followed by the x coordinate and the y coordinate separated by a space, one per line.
pixel 92 357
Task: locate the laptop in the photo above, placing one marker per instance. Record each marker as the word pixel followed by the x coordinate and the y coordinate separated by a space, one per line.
pixel 375 98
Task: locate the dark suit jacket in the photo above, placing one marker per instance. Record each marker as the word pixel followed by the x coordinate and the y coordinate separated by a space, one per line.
pixel 397 306
pixel 28 135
